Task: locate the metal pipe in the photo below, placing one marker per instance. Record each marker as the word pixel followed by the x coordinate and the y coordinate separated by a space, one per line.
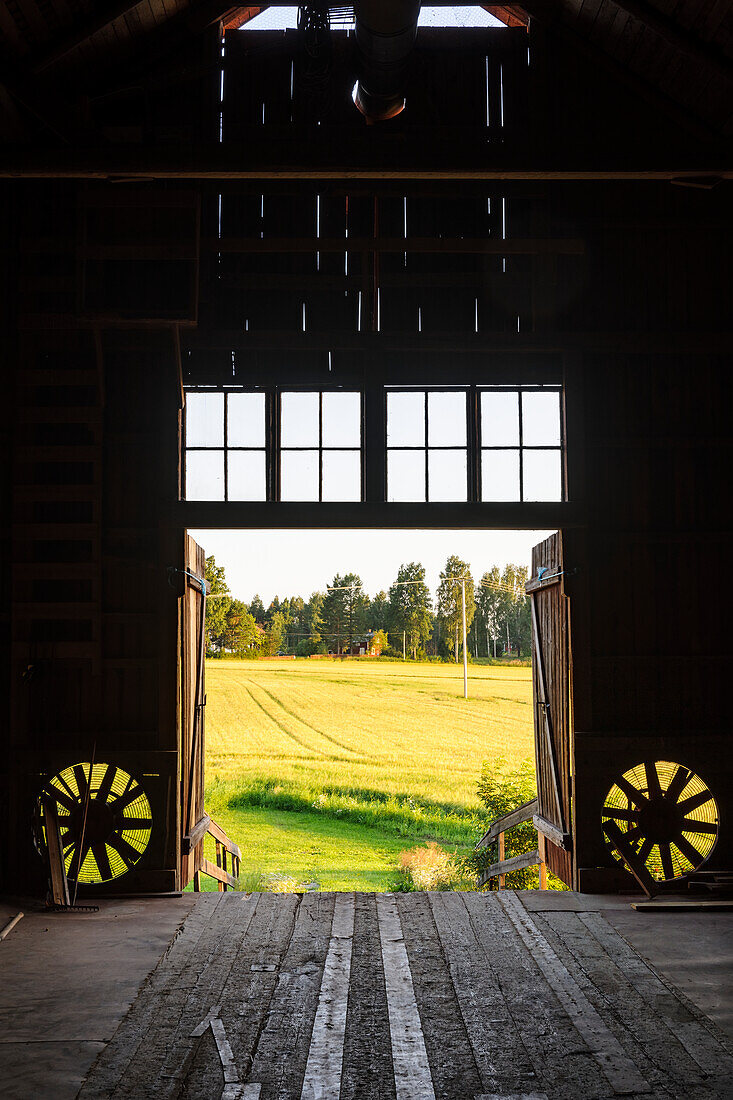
pixel 385 36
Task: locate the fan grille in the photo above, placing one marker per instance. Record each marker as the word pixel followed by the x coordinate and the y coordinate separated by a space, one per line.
pixel 667 813
pixel 118 822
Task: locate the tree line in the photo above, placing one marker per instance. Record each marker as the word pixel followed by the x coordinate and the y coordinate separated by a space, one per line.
pixel 406 615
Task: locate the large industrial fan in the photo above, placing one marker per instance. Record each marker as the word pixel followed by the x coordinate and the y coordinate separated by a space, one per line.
pixel 661 820
pixel 104 820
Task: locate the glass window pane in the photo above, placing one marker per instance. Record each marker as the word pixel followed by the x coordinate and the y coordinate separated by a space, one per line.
pixel 204 419
pixel 500 475
pixel 406 475
pixel 342 420
pixel 246 427
pixel 406 420
pixel 341 475
pixel 299 475
pixel 299 421
pixel 500 419
pixel 246 475
pixel 447 475
pixel 204 475
pixel 542 475
pixel 541 419
pixel 447 420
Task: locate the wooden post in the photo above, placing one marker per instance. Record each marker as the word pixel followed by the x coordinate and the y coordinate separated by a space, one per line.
pixel 219 885
pixel 197 882
pixel 59 885
pixel 542 847
pixel 502 878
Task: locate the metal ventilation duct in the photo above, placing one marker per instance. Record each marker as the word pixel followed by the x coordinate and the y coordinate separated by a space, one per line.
pixel 385 35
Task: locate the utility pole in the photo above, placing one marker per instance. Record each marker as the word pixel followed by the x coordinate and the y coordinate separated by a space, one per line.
pixel 404 657
pixel 465 649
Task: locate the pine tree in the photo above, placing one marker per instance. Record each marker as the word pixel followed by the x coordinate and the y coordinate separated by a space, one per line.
pixel 344 610
pixel 491 602
pixel 449 601
pixel 257 610
pixel 379 612
pixel 217 603
pixel 410 606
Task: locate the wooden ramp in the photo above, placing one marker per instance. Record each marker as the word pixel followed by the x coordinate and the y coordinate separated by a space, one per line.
pixel 406 997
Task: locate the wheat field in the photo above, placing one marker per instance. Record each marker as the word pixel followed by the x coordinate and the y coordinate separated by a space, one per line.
pixel 330 768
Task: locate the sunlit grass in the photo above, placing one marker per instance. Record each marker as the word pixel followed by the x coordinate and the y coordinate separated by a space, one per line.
pixel 344 764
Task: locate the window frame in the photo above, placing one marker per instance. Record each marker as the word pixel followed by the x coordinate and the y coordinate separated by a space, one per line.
pixel 279 449
pixel 521 447
pixel 272 447
pixel 426 447
pixel 374 437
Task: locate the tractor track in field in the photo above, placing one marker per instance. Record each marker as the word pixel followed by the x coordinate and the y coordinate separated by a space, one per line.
pixel 338 744
pixel 288 733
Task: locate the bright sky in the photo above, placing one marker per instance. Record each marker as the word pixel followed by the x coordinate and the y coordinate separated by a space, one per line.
pixel 296 563
pixel 467 16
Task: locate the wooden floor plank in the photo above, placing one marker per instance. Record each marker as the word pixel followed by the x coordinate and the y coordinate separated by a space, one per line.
pixel 245 1001
pixel 441 996
pixel 562 1062
pixel 411 1068
pixel 281 1053
pixel 322 1079
pixel 452 1063
pixel 367 1068
pixel 501 1056
pixel 622 1074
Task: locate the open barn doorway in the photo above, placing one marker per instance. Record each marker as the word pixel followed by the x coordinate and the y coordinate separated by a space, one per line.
pixel 348 745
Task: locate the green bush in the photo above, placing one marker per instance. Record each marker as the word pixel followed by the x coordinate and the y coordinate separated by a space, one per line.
pixel 502 790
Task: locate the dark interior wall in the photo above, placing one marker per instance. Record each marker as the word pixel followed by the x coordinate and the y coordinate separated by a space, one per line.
pixel 651 648
pixel 92 670
pixel 650 452
pixel 641 319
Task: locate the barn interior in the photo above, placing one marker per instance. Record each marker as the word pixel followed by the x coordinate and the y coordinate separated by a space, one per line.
pixel 187 207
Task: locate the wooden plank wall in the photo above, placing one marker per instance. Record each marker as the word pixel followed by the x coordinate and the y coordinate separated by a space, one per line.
pixel 195 562
pixel 552 616
pixel 94 627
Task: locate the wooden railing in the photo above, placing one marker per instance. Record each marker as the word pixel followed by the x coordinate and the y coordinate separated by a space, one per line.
pixel 228 855
pixel 504 866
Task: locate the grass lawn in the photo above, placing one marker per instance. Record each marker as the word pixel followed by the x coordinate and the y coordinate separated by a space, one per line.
pixel 327 770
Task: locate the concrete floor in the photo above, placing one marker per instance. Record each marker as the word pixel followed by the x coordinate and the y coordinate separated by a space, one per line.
pixel 353 996
pixel 66 981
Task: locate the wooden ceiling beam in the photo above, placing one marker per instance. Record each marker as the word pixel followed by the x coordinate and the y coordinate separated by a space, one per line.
pixel 511 15
pixel 643 12
pixel 445 162
pixel 103 16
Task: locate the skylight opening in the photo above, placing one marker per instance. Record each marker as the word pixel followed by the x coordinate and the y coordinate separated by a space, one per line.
pixel 286 18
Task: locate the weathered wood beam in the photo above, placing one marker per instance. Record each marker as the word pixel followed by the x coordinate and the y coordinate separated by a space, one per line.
pixel 209 868
pixel 506 866
pixel 551 832
pixel 45 103
pixel 103 16
pixel 552 16
pixel 512 15
pixel 665 342
pixel 237 515
pixel 686 43
pixel 508 821
pixel 362 159
pixel 197 834
pixel 427 245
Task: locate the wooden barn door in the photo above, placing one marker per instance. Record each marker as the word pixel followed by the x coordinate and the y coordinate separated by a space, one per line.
pixel 551 677
pixel 193 699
